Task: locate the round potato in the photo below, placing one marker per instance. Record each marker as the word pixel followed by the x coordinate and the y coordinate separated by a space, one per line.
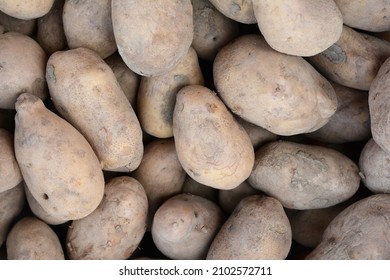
pixel 211 146
pixel 26 9
pixel 257 229
pixel 11 24
pixel 240 11
pixel 152 36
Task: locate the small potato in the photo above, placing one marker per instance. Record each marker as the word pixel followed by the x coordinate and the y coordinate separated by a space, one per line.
pixel 258 135
pixel 58 165
pixel 299 27
pixel 257 229
pixel 152 36
pixel 281 93
pixel 240 11
pixel 157 95
pixel 88 24
pixel 12 203
pixel 9 168
pixel 211 146
pixel 304 176
pixel 114 230
pixel 354 60
pixel 26 9
pixel 22 64
pixel 32 239
pixel 360 232
pixel 185 225
pixel 11 24
pixel 193 187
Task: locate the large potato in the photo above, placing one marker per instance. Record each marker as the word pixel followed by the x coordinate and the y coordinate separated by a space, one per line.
pixel 152 36
pixel 22 64
pixel 281 93
pixel 32 239
pixel 185 225
pixel 257 229
pixel 115 228
pixel 26 9
pixel 211 146
pixel 58 165
pixel 360 232
pixel 86 93
pixel 240 11
pixel 304 176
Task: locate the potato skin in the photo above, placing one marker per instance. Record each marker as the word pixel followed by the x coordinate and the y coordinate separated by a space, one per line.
pixel 240 11
pixel 257 229
pixel 281 93
pixel 152 36
pixel 360 232
pixel 114 230
pixel 185 225
pixel 304 176
pixel 57 163
pixel 211 146
pixel 26 10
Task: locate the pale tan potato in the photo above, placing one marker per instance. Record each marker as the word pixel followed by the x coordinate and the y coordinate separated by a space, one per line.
pixel 157 95
pixel 240 11
pixel 354 60
pixel 12 203
pixel 58 165
pixel 304 176
pixel 184 226
pixel 211 146
pixel 9 168
pixel 26 9
pixel 88 24
pixel 152 36
pixel 258 135
pixel 115 229
pixel 32 239
pixel 281 93
pixel 11 24
pixel 86 93
pixel 193 187
pixel 258 229
pixel 299 27
pixel 360 232
pixel 23 64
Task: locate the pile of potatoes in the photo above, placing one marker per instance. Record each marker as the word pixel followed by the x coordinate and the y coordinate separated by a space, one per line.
pixel 194 129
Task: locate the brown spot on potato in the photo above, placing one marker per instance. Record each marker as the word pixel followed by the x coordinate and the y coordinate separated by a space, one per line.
pixel 335 54
pixel 211 108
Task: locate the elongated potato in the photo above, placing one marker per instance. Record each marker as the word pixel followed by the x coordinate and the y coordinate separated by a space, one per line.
pixel 152 36
pixel 281 93
pixel 26 9
pixel 32 239
pixel 240 11
pixel 211 146
pixel 11 24
pixel 58 165
pixel 257 229
pixel 114 230
pixel 304 176
pixel 86 93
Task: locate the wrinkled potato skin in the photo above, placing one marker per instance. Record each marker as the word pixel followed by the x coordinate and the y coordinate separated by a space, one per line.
pixel 26 9
pixel 258 229
pixel 360 232
pixel 240 11
pixel 115 229
pixel 11 24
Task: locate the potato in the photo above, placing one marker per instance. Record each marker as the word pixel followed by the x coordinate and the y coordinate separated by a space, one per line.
pixel 22 64
pixel 160 173
pixel 258 135
pixel 193 187
pixel 185 225
pixel 88 24
pixel 11 24
pixel 86 93
pixel 240 11
pixel 32 239
pixel 152 36
pixel 354 60
pixel 278 92
pixel 115 228
pixel 257 229
pixel 50 33
pixel 370 15
pixel 58 165
pixel 360 232
pixel 212 30
pixel 12 203
pixel 304 176
pixel 157 95
pixel 351 122
pixel 299 27
pixel 9 168
pixel 374 168
pixel 211 146
pixel 26 10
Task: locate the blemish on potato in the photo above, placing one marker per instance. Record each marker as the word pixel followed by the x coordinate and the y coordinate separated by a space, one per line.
pixel 335 54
